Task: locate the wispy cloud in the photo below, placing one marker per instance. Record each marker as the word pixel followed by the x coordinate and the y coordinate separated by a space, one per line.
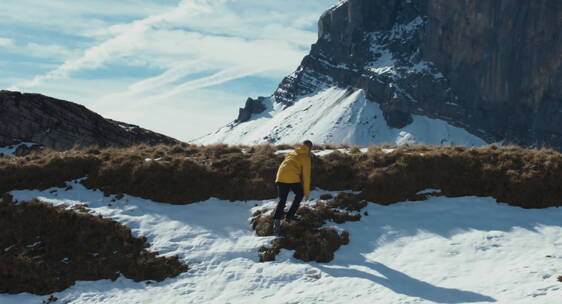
pixel 169 34
pixel 213 80
pixel 5 42
pixel 76 18
pixel 184 46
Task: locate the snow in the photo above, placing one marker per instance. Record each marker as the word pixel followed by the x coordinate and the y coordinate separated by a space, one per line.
pixel 127 127
pixel 405 31
pixel 426 67
pixel 384 62
pixel 9 150
pixel 335 116
pixel 329 151
pixel 152 159
pixel 329 64
pixel 328 114
pixel 443 250
pixel 33 245
pixel 429 191
pixel 283 151
pixel 316 152
pixel 335 6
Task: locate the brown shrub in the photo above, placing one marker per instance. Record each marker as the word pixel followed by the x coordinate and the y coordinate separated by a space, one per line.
pixel 560 278
pixel 52 169
pixel 7 198
pixel 93 150
pixel 309 240
pixel 334 171
pixel 184 173
pixel 178 181
pixel 46 249
pixel 527 178
pixel 283 147
pixel 219 171
pixel 328 147
pixel 348 201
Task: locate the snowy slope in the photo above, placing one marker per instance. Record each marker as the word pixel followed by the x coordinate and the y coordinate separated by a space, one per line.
pixel 444 250
pixel 336 115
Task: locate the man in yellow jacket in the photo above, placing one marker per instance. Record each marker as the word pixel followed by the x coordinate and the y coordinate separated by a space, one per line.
pixel 293 175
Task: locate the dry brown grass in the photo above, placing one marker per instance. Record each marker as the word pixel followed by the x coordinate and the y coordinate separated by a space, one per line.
pixel 46 249
pixel 527 178
pixel 309 239
pixel 186 173
pixel 175 174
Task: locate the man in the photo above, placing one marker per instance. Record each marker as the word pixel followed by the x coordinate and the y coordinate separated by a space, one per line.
pixel 293 175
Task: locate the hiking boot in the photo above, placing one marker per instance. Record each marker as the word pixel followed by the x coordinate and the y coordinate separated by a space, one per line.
pixel 277 227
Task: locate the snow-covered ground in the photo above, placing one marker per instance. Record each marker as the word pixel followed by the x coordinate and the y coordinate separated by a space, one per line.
pixel 444 250
pixel 329 151
pixel 335 116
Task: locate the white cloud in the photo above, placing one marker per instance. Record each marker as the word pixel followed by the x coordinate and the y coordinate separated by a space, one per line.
pixel 77 17
pixel 36 50
pixel 5 42
pixel 213 80
pixel 50 51
pixel 195 45
pixel 184 116
pixel 237 43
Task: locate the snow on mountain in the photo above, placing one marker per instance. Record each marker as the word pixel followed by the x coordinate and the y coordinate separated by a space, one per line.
pixel 336 115
pixel 312 104
pixel 443 250
pixel 429 67
pixel 11 149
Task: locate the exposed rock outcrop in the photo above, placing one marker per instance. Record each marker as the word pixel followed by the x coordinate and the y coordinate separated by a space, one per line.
pixel 252 106
pixel 61 124
pixel 490 67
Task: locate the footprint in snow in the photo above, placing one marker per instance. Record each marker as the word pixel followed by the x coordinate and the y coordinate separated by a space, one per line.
pixel 312 275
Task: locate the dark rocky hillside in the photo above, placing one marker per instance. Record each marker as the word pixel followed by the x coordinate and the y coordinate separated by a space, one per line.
pixel 61 124
pixel 490 67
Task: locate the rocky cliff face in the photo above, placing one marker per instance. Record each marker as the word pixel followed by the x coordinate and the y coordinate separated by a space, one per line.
pixel 492 68
pixel 61 124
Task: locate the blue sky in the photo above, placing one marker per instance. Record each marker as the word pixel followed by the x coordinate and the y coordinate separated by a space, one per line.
pixel 180 67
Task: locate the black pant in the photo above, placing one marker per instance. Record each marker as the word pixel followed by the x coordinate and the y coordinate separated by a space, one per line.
pixel 283 190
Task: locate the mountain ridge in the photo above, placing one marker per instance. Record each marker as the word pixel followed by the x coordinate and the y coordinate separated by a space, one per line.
pixel 438 59
pixel 61 124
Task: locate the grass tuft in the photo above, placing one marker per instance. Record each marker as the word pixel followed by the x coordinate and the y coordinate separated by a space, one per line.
pixel 46 249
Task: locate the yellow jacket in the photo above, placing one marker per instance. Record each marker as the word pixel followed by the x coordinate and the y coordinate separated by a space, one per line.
pixel 296 168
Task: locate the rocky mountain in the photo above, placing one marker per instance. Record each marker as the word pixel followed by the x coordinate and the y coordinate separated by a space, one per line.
pixel 428 71
pixel 62 124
